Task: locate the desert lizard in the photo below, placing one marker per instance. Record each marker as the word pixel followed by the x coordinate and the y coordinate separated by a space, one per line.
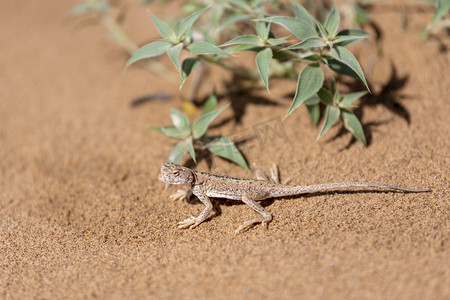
pixel 205 185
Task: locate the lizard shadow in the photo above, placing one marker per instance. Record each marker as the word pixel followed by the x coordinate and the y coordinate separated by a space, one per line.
pixel 217 202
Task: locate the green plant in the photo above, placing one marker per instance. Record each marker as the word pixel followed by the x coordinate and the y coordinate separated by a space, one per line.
pixel 320 44
pixel 194 138
pixel 439 21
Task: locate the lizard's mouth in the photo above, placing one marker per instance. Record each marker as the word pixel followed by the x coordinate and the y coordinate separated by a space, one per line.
pixel 160 178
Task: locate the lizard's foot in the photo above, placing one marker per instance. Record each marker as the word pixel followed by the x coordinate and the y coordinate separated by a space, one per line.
pixel 189 222
pixel 181 195
pixel 249 224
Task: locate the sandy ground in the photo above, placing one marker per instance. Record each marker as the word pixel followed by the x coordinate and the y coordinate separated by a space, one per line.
pixel 82 214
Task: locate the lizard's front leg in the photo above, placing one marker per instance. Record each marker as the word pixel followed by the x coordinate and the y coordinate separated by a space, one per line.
pixel 195 221
pixel 266 216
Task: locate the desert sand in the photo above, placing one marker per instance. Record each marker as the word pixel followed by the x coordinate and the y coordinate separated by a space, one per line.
pixel 83 216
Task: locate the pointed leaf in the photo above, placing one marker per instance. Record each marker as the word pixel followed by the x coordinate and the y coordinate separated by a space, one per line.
pixel 223 147
pixel 190 148
pixel 442 8
pixel 349 36
pixel 210 104
pixel 332 22
pixel 277 41
pixel 331 118
pixel 322 31
pixel 303 14
pixel 348 99
pixel 353 125
pixel 346 57
pixel 188 65
pixel 180 121
pixel 299 27
pixel 174 54
pixel 170 131
pixel 310 80
pixel 164 29
pixel 149 50
pixel 249 39
pixel 178 152
pixel 202 48
pixel 262 30
pixel 340 67
pixel 309 43
pixel 263 59
pixel 325 96
pixel 186 24
pixel 201 124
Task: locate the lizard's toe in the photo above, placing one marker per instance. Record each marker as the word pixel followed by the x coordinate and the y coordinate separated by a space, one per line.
pixel 247 225
pixel 187 223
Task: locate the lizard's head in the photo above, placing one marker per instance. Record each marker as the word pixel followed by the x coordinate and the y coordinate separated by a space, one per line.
pixel 175 174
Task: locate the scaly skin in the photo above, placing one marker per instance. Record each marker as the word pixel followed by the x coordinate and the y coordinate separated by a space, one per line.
pixel 205 185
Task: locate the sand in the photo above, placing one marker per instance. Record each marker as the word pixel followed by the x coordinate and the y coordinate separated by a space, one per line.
pixel 82 214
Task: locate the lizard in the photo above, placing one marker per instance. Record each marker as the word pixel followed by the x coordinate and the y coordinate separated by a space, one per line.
pixel 204 185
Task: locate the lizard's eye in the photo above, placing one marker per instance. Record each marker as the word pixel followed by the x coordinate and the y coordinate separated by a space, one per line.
pixel 176 173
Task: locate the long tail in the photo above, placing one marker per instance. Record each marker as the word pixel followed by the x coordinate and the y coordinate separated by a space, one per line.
pixel 303 189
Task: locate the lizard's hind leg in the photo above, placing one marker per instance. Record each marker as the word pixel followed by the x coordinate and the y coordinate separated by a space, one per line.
pixel 274 175
pixel 266 216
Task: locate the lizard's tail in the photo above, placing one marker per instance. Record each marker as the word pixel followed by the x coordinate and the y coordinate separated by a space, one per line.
pixel 303 189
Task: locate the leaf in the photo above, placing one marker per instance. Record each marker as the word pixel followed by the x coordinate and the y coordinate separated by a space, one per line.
pixel 277 41
pixel 249 39
pixel 308 43
pixel 186 24
pixel 325 96
pixel 346 57
pixel 312 104
pixel 349 36
pixel 178 152
pixel 339 67
pixel 202 48
pixel 332 22
pixel 331 118
pixel 262 30
pixel 300 28
pixel 201 124
pixel 230 20
pixel 310 80
pixel 149 50
pixel 241 48
pixel 180 121
pixel 263 59
pixel 223 147
pixel 348 99
pixel 190 148
pixel 174 54
pixel 210 104
pixel 442 8
pixel 188 65
pixel 352 124
pixel 170 131
pixel 322 30
pixel 164 29
pixel 303 14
